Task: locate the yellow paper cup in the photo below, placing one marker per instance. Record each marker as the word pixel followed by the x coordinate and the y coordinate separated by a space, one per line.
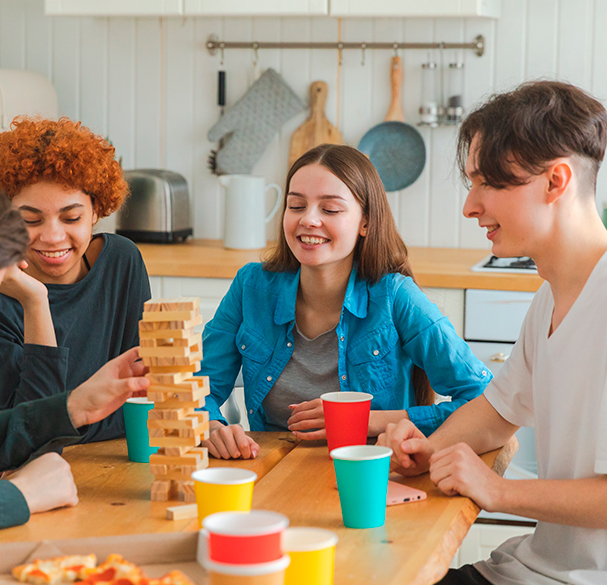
pixel 223 489
pixel 312 552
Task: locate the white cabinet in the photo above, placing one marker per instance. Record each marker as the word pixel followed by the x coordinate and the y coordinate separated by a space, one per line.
pixel 412 8
pixel 113 7
pixel 256 7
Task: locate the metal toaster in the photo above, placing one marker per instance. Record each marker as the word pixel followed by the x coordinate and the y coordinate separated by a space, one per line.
pixel 158 209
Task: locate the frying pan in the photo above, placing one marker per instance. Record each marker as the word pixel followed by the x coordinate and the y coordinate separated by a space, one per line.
pixel 396 149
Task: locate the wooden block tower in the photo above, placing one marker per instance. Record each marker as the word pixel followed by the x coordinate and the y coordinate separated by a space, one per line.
pixel 172 351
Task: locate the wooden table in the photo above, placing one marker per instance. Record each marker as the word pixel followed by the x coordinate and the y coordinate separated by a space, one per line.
pixel 414 547
pixel 114 493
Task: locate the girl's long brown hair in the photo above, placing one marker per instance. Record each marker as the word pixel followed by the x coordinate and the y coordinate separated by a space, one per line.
pixel 382 251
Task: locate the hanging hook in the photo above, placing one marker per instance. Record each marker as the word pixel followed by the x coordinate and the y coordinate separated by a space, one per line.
pixel 221 53
pixel 363 47
pixel 395 47
pixel 255 54
pixel 340 48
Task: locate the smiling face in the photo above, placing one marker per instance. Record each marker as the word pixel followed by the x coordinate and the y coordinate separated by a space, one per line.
pixel 514 217
pixel 322 220
pixel 60 224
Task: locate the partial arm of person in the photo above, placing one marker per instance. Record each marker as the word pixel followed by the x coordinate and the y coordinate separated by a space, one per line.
pixel 221 362
pixel 43 484
pixel 477 423
pixel 33 295
pixel 573 502
pixel 52 422
pixel 429 339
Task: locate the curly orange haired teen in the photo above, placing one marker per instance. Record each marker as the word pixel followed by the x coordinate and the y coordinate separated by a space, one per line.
pixel 63 152
pixel 78 298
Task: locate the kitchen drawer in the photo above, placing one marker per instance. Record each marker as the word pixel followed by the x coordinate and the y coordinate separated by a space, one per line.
pixel 493 355
pixel 492 315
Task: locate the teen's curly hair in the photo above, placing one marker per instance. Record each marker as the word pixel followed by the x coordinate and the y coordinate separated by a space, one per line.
pixel 62 152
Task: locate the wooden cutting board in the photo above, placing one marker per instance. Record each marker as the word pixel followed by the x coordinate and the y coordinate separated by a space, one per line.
pixel 316 129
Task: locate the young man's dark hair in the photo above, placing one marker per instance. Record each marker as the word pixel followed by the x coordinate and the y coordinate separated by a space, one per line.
pixel 13 234
pixel 532 125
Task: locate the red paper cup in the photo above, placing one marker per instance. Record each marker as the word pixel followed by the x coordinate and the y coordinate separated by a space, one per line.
pixel 242 538
pixel 346 418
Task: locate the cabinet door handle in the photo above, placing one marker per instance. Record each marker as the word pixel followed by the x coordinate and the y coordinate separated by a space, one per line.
pixel 499 357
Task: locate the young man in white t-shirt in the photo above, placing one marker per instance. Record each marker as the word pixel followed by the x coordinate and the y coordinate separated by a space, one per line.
pixel 531 157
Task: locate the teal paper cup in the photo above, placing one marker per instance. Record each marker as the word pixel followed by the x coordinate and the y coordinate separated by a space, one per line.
pixel 135 412
pixel 362 480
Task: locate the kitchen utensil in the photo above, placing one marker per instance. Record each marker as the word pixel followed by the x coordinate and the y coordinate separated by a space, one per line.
pixel 250 124
pixel 221 102
pixel 396 149
pixel 158 209
pixel 316 129
pixel 245 215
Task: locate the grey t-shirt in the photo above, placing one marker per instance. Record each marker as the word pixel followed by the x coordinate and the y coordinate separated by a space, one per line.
pixel 311 371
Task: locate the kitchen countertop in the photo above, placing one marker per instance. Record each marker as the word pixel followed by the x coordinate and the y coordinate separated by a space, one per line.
pixel 433 267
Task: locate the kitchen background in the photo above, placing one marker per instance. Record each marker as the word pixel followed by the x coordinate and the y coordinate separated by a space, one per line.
pixel 150 85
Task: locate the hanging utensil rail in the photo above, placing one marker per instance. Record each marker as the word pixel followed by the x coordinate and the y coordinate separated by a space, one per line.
pixel 214 45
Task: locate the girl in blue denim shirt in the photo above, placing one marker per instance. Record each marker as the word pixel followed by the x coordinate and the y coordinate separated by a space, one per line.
pixel 334 307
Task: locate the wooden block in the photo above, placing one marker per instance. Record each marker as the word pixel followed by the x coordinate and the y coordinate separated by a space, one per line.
pixel 146 332
pixel 176 404
pixel 147 343
pixel 172 363
pixel 172 304
pixel 164 351
pixel 172 413
pixel 191 458
pixel 163 491
pixel 175 474
pixel 200 429
pixel 159 469
pixel 186 497
pixel 169 325
pixel 160 316
pixel 156 433
pixel 182 512
pixel 175 441
pixel 181 304
pixel 185 369
pixel 160 393
pixel 184 423
pixel 176 451
pixel 166 378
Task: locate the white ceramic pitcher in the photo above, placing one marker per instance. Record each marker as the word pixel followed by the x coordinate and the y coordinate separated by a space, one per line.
pixel 245 211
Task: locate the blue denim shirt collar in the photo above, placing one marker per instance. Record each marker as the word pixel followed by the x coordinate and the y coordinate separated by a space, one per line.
pixel 355 301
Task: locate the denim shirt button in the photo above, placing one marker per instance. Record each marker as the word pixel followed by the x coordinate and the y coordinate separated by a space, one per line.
pixel 243 346
pixel 251 411
pixel 289 344
pixel 484 372
pixel 342 338
pixel 343 377
pixel 376 352
pixel 269 378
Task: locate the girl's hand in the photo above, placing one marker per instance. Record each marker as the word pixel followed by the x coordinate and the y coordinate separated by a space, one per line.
pixel 305 416
pixel 230 442
pixel 23 287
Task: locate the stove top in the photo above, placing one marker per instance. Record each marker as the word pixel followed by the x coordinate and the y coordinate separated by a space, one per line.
pixel 519 265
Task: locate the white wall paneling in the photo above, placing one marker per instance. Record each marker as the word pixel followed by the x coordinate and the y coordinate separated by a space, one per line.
pixel 149 84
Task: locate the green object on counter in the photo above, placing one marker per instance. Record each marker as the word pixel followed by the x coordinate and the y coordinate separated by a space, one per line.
pixel 135 411
pixel 605 214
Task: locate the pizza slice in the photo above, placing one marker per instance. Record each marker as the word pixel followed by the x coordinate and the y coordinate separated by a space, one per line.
pixel 115 570
pixel 57 570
